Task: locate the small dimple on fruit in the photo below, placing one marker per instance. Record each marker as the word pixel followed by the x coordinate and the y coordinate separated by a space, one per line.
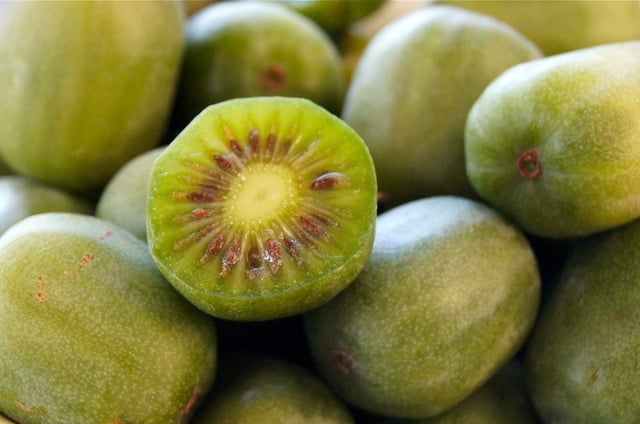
pixel 40 296
pixel 343 361
pixel 273 78
pixel 528 164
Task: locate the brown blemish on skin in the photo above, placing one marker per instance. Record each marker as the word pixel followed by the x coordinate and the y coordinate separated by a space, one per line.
pixel 86 260
pixel 106 234
pixel 528 164
pixel 273 78
pixel 343 361
pixel 40 296
pixel 592 376
pixel 192 402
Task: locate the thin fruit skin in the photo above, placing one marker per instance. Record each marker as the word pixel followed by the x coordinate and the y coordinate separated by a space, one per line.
pixel 124 199
pixel 260 389
pixel 412 89
pixel 89 89
pixel 562 26
pixel 21 197
pixel 91 332
pixel 555 143
pixel 501 400
pixel 278 52
pixel 449 294
pixel 582 357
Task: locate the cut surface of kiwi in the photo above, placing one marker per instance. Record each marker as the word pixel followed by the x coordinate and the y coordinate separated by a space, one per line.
pixel 262 208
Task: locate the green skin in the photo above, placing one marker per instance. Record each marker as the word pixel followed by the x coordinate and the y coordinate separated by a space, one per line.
pixel 562 26
pixel 87 91
pixel 124 200
pixel 4 168
pixel 502 400
pixel 258 389
pixel 21 197
pixel 412 89
pixel 92 332
pixel 554 143
pixel 449 294
pixel 261 201
pixel 276 52
pixel 582 358
pixel 334 16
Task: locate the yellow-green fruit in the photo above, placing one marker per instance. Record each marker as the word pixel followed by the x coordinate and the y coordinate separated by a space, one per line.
pixel 254 388
pixel 85 85
pixel 562 26
pixel 582 358
pixel 413 87
pixel 21 197
pixel 91 332
pixel 555 143
pixel 277 52
pixel 449 294
pixel 124 199
pixel 501 400
pixel 334 16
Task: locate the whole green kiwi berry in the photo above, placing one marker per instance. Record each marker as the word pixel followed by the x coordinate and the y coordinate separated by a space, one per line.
pixel 448 296
pixel 582 355
pixel 554 143
pixel 261 389
pixel 412 89
pixel 91 332
pixel 86 85
pixel 277 52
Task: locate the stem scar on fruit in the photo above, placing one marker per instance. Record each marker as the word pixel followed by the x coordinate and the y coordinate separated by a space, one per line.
pixel 528 164
pixel 343 361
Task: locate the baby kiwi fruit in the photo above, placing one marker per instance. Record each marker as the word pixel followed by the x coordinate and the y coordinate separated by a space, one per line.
pixel 262 208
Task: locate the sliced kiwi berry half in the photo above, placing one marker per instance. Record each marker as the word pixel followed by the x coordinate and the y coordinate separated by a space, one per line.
pixel 262 208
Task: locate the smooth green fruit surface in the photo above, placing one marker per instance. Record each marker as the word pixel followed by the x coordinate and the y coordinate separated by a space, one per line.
pixel 124 199
pixel 262 208
pixel 91 332
pixel 278 52
pixel 449 294
pixel 334 16
pixel 89 89
pixel 258 389
pixel 21 197
pixel 412 89
pixel 501 400
pixel 555 143
pixel 582 359
pixel 562 26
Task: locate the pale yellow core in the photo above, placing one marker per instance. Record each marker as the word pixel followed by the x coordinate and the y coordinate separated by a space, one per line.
pixel 260 194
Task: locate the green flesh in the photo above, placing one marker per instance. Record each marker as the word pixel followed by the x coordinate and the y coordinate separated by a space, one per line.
pixel 262 200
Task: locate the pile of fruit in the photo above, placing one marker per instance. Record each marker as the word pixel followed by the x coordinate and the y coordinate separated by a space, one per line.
pixel 347 211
